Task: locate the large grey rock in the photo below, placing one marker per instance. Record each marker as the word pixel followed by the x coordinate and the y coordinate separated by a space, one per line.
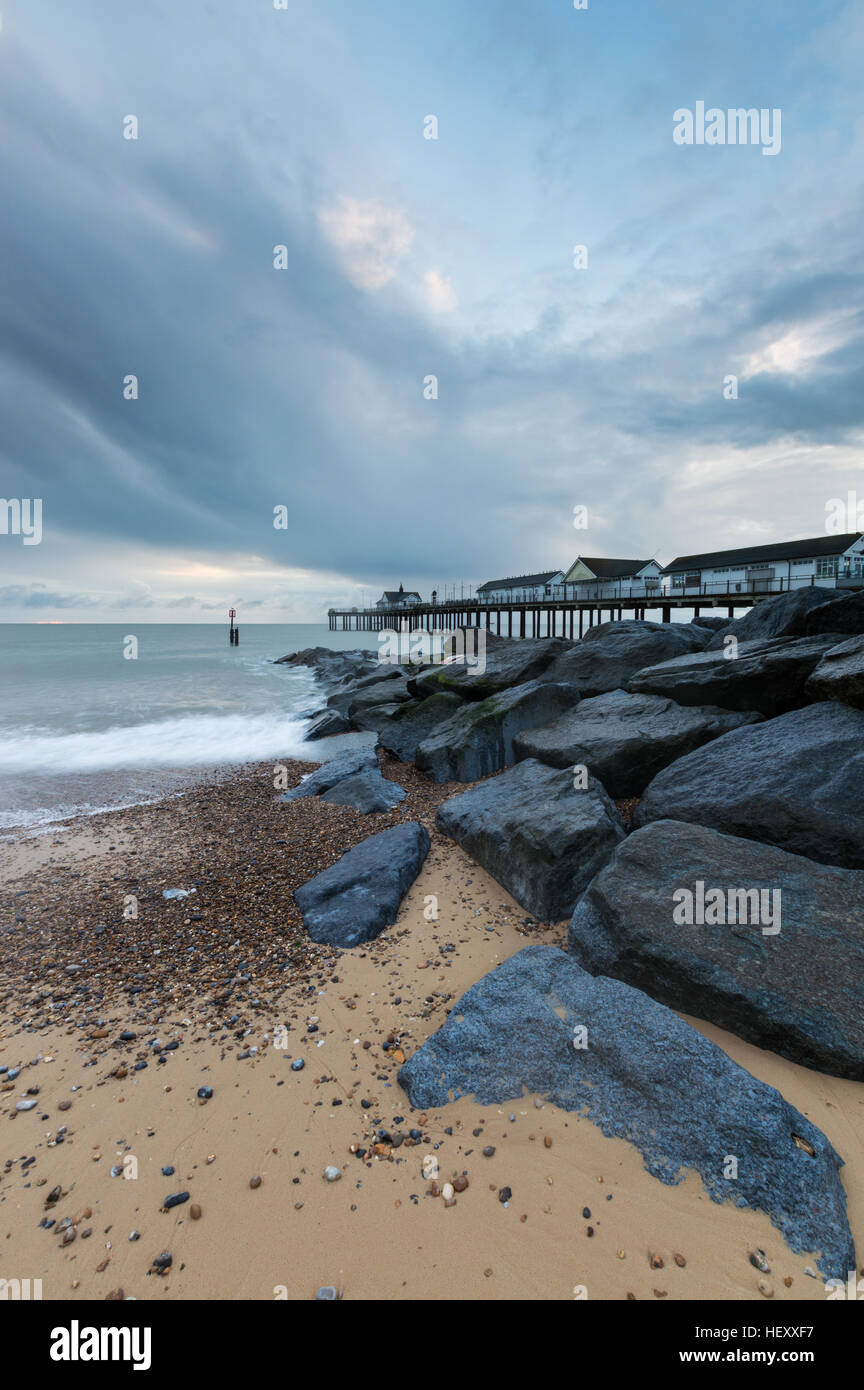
pixel 611 653
pixel 331 666
pixel 768 676
pixel 381 692
pixel 794 781
pixel 366 791
pixel 344 764
pixel 539 837
pixel 645 1076
pixel 625 740
pixel 409 724
pixel 507 663
pixel 784 970
pixel 843 614
pixel 354 900
pixel 478 739
pixel 840 674
pixel 785 615
pixel 711 620
pixel 374 718
pixel 328 722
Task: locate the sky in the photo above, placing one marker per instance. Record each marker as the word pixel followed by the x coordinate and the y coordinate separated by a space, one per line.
pixel 283 447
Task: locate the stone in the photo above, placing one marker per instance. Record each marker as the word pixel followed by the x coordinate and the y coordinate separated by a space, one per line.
pixel 537 835
pixel 609 654
pixel 332 1173
pixel 785 615
pixel 478 739
pixel 644 1075
pixel 408 725
pixel 366 791
pixel 374 718
pixel 842 614
pixel 840 674
pixel 381 692
pixel 768 676
pixel 624 739
pixel 329 721
pixel 798 990
pixel 506 664
pixel 794 781
pixel 344 764
pixel 357 897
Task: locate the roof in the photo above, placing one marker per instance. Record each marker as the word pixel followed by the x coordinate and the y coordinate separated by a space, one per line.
pixel 751 554
pixel 394 595
pixel 613 569
pixel 521 581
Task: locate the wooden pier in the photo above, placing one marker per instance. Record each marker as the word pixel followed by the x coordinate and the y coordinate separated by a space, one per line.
pixel 551 618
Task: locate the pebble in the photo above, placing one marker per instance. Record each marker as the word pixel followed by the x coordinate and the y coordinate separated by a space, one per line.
pixel 504 1195
pixel 460 1184
pixel 547 1141
pixel 195 1212
pixel 489 1151
pixel 255 1182
pixel 204 1092
pixel 26 1104
pixel 680 1261
pixel 656 1262
pixel 298 1064
pixel 332 1173
pixel 328 1293
pixel 765 1289
pixel 176 1199
pixel 758 1260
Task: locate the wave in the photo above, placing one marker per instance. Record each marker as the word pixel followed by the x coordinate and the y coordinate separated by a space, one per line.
pixel 184 741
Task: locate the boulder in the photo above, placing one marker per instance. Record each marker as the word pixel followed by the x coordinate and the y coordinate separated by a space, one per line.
pixel 540 837
pixel 374 718
pixel 366 791
pixel 844 614
pixel 840 674
pixel 793 781
pixel 769 676
pixel 782 967
pixel 345 764
pixel 327 722
pixel 785 615
pixel 506 664
pixel 478 739
pixel 407 725
pixel 625 740
pixel 711 620
pixel 331 666
pixel 357 897
pixel 541 1024
pixel 380 692
pixel 611 653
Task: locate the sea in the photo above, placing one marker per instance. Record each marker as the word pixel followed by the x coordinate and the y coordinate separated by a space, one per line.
pixel 93 720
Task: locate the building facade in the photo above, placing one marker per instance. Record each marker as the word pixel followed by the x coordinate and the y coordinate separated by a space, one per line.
pixel 597 578
pixel 399 598
pixel 829 561
pixel 522 588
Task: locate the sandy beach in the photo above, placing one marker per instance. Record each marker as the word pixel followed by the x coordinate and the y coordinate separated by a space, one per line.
pixel 217 974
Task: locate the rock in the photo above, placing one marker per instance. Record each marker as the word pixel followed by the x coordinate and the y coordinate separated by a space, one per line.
pixel 204 1092
pixel 644 1075
pixel 345 764
pixel 381 692
pixel 478 738
pixel 793 781
pixel 611 653
pixel 372 719
pixel 331 1173
pixel 798 991
pixel 255 1182
pixel 328 1293
pixel 298 1064
pixel 366 791
pixel 712 621
pixel 330 666
pixel 354 900
pixel 840 674
pixel 538 836
pixel 844 614
pixel 176 1199
pixel 506 664
pixel 408 725
pixel 786 615
pixel 768 676
pixel 328 722
pixel 625 740
pixel 195 1212
pixel 26 1104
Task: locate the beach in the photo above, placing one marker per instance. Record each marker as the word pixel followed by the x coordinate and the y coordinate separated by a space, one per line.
pixel 229 976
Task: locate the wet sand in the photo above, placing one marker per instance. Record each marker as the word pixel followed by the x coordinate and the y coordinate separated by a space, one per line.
pixel 71 966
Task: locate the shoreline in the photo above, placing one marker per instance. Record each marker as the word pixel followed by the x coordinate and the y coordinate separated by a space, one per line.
pixel 216 974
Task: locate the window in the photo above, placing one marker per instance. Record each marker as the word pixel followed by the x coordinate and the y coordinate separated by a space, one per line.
pixel 826 568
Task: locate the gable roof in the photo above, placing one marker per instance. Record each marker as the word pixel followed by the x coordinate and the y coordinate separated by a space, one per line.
pixel 521 581
pixel 751 554
pixel 612 569
pixel 393 595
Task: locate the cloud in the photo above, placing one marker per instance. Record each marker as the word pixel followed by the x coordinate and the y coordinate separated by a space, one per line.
pixel 370 238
